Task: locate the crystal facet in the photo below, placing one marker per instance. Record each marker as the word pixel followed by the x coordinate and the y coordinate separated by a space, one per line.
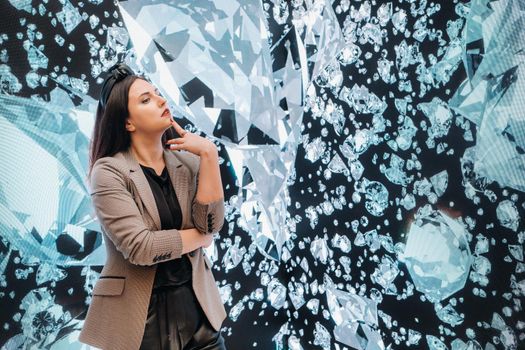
pixel 437 255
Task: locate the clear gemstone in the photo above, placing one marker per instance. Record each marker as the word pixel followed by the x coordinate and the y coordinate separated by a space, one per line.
pixel 508 215
pixel 437 255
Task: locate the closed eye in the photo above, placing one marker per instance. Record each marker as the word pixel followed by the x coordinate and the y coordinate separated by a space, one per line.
pixel 146 100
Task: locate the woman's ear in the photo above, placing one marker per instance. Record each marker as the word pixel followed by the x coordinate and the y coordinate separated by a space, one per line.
pixel 129 126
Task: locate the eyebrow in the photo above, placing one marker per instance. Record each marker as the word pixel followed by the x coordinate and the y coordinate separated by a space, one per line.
pixel 147 93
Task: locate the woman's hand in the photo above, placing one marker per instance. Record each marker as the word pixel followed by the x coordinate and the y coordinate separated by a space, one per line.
pixel 207 240
pixel 190 142
pixel 192 239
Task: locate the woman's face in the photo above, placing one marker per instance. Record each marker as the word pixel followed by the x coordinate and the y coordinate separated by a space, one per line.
pixel 148 111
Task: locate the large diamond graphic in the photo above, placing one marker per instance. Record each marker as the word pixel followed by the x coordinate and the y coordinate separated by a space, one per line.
pixel 46 213
pixel 437 254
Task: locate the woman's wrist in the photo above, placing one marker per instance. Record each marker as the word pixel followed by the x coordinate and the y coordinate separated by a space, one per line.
pixel 210 150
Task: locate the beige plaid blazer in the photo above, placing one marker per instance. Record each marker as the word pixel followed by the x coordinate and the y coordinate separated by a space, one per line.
pixel 130 222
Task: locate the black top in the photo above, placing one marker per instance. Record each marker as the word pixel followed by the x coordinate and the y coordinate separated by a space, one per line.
pixel 172 272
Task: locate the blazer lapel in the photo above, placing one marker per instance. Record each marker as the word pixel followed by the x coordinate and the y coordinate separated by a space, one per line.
pixel 144 190
pixel 179 175
pixel 179 179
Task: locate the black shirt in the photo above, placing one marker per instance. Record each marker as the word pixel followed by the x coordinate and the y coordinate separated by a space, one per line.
pixel 172 272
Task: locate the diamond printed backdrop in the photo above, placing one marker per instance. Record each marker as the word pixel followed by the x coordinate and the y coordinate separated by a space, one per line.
pixel 372 156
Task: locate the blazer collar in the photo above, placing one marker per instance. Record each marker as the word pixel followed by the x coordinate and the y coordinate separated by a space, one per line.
pixel 178 176
pixel 133 165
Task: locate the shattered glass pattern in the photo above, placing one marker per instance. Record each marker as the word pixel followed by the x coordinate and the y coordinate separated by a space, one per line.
pixel 493 94
pixel 355 318
pixel 214 63
pixel 371 152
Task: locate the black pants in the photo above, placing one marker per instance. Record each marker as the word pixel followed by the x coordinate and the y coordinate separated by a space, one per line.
pixel 176 321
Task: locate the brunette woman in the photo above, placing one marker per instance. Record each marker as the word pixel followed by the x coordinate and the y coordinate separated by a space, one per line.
pixel 159 201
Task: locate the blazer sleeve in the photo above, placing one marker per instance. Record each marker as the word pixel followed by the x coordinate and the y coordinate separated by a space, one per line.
pixel 123 223
pixel 208 218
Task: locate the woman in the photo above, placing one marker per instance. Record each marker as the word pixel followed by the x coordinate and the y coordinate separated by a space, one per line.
pixel 157 209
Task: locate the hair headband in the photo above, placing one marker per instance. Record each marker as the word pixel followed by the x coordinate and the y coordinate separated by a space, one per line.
pixel 116 73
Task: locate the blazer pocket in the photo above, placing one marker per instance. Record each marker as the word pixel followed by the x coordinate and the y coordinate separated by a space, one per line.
pixel 109 286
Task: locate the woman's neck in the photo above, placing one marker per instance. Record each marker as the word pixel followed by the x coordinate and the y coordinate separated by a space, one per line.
pixel 148 151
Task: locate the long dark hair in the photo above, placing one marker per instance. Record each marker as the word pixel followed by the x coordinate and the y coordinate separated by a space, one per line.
pixel 109 133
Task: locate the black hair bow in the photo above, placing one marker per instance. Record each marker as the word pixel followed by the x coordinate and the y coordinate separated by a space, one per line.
pixel 116 73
